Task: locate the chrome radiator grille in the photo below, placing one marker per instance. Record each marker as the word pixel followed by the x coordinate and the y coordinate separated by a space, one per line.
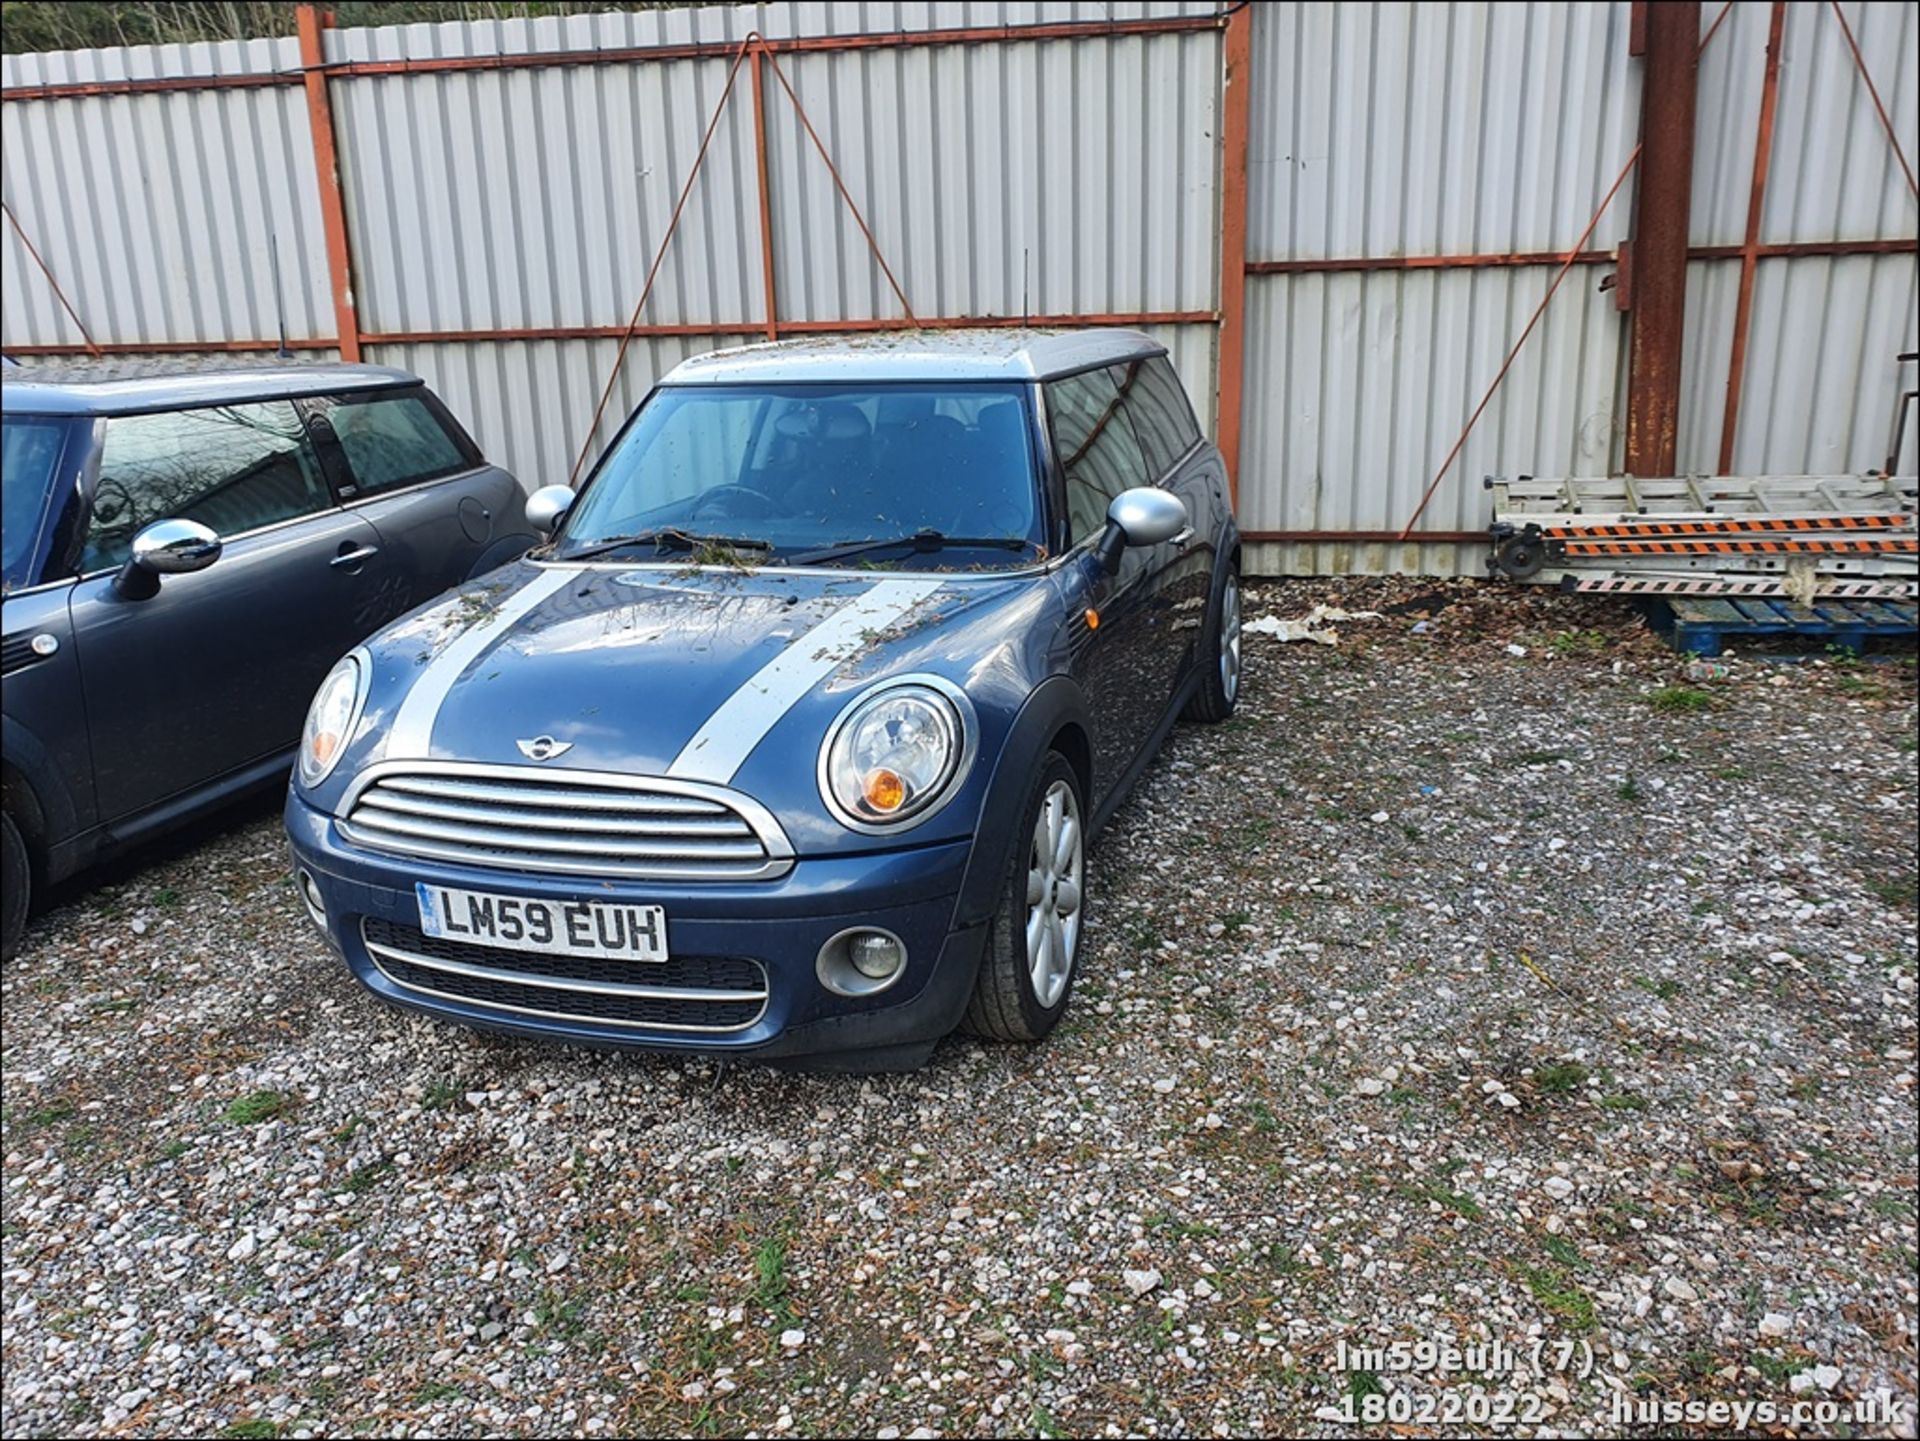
pixel 570 822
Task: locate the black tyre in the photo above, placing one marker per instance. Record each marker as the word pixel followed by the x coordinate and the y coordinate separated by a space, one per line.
pixel 1033 941
pixel 1220 648
pixel 16 886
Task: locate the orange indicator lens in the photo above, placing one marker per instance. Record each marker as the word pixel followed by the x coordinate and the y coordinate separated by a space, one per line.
pixel 885 790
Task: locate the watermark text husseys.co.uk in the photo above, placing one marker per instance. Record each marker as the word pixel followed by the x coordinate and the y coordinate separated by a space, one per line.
pixel 1881 1409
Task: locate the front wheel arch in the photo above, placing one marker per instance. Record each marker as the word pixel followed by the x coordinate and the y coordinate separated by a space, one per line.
pixel 1054 717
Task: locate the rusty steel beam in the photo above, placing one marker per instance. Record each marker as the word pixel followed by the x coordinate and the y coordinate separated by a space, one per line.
pixel 1237 98
pixel 1797 249
pixel 715 328
pixel 171 347
pixel 148 85
pixel 868 40
pixel 766 194
pixel 1340 265
pixel 1660 237
pixel 698 50
pixel 326 167
pixel 1750 250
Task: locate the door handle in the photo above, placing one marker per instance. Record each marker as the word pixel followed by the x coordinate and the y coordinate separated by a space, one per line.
pixel 353 559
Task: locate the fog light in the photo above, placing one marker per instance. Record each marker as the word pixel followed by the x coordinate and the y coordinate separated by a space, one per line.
pixel 861 962
pixel 316 903
pixel 875 954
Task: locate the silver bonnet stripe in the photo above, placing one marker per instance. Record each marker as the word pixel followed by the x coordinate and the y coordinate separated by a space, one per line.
pixel 411 736
pixel 721 746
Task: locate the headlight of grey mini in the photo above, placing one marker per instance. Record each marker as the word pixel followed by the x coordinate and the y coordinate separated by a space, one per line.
pixel 897 754
pixel 333 715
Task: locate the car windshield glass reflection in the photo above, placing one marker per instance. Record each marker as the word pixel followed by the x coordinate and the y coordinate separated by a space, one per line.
pixel 789 472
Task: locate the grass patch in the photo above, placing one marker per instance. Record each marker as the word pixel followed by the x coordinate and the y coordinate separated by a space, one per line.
pixel 1629 790
pixel 1679 699
pixel 1557 1292
pixel 1562 1250
pixel 1665 989
pixel 362 1179
pixel 770 1278
pixel 439 1095
pixel 1577 642
pixel 1901 892
pixel 257 1427
pixel 260 1107
pixel 1440 1195
pixel 1624 1101
pixel 1562 1078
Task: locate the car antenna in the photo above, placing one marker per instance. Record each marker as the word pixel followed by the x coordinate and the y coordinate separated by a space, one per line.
pixel 279 300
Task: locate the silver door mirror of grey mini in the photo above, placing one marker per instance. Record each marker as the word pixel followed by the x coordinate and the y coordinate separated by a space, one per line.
pixel 1145 515
pixel 167 547
pixel 548 506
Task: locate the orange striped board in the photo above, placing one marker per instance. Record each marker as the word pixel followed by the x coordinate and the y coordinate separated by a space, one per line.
pixel 1728 545
pixel 1744 525
pixel 1708 584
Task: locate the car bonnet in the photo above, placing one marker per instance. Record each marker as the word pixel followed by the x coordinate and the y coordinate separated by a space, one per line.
pixel 652 670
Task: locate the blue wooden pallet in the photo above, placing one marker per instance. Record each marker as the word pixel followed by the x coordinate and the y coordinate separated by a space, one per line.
pixel 1700 625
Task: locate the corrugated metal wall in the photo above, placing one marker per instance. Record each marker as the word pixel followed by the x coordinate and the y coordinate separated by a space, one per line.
pixel 157 211
pixel 1057 176
pixel 1821 375
pixel 1426 130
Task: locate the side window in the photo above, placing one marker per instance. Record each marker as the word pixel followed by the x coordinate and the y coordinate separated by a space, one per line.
pixel 1098 452
pixel 233 468
pixel 391 439
pixel 1161 416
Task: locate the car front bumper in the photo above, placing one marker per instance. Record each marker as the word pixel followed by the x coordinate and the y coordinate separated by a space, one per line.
pixel 778 925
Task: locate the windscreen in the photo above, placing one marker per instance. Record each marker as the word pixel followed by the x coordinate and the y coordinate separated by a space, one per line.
pixel 794 470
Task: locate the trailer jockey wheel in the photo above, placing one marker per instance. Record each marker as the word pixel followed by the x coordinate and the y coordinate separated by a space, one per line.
pixel 1521 556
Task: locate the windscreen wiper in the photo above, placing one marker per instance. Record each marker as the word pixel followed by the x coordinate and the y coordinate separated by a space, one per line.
pixel 668 540
pixel 919 540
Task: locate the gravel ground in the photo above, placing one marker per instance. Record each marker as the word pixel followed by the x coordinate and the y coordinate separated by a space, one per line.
pixel 1446 993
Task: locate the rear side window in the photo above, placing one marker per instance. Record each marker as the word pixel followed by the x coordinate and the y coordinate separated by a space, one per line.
pixel 233 468
pixel 1159 410
pixel 1099 453
pixel 32 445
pixel 391 440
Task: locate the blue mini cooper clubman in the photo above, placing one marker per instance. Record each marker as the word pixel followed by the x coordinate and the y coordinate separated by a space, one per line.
pixel 790 740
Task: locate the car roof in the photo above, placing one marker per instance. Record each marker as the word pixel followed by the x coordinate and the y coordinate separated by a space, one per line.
pixel 124 387
pixel 982 354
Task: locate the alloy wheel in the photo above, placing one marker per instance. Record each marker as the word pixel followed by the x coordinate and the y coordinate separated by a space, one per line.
pixel 1056 871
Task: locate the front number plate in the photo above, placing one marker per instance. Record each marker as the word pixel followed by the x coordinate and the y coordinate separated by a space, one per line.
pixel 611 930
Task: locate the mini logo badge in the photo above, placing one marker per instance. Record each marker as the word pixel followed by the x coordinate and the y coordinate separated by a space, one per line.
pixel 543 748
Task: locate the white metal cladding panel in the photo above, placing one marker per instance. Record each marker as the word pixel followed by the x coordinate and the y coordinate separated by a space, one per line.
pixel 537 197
pixel 1058 177
pixel 1409 129
pixel 156 212
pixel 1822 378
pixel 1832 176
pixel 528 402
pixel 1359 383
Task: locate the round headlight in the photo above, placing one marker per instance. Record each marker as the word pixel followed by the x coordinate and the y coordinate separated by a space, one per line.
pixel 331 718
pixel 896 753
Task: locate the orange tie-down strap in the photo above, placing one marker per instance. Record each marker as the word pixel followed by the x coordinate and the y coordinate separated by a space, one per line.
pixel 1724 545
pixel 1741 525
